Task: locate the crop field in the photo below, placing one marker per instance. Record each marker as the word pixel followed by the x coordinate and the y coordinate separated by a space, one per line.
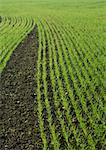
pixel 52 74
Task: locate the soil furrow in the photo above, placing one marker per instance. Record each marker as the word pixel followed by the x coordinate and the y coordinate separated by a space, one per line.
pixel 17 83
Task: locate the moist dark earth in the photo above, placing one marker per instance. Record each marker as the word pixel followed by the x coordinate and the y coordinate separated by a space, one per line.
pixel 17 85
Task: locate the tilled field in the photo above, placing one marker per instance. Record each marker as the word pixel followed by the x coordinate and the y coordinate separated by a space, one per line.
pixel 17 116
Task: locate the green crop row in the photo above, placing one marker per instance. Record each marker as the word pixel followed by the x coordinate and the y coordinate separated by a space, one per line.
pixel 68 73
pixel 13 31
pixel 60 58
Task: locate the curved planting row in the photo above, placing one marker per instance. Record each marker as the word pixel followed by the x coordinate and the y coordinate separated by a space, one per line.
pixel 70 80
pixel 12 31
pixel 70 109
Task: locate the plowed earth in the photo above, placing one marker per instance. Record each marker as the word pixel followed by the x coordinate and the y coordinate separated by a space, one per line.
pixel 17 98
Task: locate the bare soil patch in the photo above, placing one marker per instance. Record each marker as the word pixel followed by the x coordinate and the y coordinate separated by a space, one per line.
pixel 17 85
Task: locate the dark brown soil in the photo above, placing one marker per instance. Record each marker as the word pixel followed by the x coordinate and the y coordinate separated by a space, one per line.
pixel 17 83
